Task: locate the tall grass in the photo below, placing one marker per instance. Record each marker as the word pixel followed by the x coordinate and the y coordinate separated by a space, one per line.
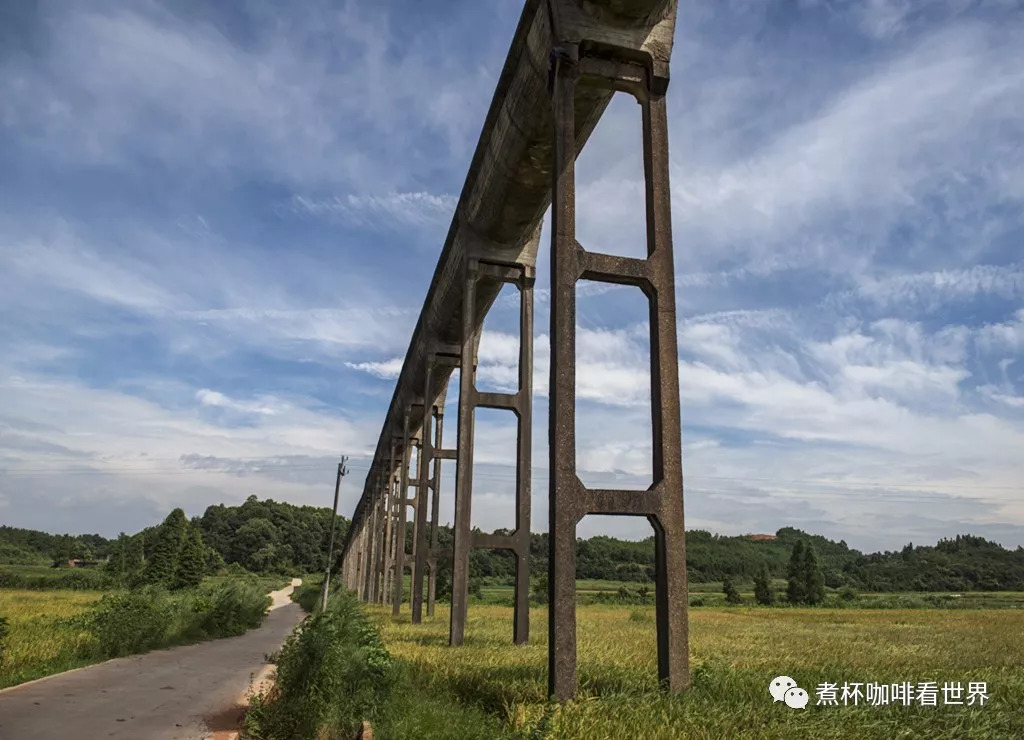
pixel 53 631
pixel 307 595
pixel 332 673
pixel 36 578
pixel 45 635
pixel 735 653
pixel 129 622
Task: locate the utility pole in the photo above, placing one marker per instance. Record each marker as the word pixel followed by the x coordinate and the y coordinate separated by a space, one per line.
pixel 342 472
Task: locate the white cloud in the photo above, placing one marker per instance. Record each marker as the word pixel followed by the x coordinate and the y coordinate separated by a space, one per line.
pixel 208 397
pixel 829 190
pixel 388 370
pixel 928 291
pixel 383 212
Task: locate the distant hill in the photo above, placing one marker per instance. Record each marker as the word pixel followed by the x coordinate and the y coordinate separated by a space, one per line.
pixel 271 536
pixel 31 547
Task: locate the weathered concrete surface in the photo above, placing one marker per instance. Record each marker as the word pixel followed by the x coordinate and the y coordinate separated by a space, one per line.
pixel 185 693
pixel 508 186
pixel 569 55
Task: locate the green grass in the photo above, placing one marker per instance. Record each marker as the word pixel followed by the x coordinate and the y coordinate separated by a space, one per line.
pixel 735 652
pixel 45 578
pixel 44 637
pixel 51 631
pixel 44 571
pixel 710 594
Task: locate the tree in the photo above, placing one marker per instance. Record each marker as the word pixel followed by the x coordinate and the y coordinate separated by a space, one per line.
pixel 732 596
pixel 763 592
pixel 191 561
pixel 134 560
pixel 116 560
pixel 814 583
pixel 251 538
pixel 539 588
pixel 796 588
pixel 214 562
pixel 162 566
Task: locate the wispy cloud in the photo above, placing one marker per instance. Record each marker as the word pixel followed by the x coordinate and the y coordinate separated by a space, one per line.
pixel 218 228
pixel 382 212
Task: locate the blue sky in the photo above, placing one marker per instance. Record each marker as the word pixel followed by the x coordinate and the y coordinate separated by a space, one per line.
pixel 218 223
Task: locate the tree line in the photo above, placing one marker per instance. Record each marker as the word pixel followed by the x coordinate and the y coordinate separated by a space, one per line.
pixel 276 537
pixel 962 563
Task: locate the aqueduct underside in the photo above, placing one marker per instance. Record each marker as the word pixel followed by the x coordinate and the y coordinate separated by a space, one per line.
pixel 567 59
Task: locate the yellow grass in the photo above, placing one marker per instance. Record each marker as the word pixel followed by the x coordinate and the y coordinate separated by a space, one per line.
pixel 735 652
pixel 43 637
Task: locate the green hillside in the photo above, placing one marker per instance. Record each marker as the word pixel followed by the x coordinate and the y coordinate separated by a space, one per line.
pixel 275 537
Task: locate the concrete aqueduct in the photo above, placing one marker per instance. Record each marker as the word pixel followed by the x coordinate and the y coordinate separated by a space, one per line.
pixel 567 59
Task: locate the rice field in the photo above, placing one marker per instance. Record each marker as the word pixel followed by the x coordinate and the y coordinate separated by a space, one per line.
pixel 735 653
pixel 44 637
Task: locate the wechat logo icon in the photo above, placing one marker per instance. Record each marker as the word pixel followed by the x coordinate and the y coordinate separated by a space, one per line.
pixel 784 688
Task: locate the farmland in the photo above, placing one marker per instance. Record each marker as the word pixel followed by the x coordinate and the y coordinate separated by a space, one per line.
pixel 45 633
pixel 735 652
pixel 53 629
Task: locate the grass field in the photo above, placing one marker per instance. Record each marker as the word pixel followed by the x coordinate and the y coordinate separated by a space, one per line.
pixel 44 638
pixel 710 594
pixel 48 633
pixel 735 652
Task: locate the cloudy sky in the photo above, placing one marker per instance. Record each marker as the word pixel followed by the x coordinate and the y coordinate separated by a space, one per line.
pixel 217 228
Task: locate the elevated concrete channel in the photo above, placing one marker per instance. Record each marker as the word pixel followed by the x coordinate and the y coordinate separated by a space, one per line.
pixel 567 59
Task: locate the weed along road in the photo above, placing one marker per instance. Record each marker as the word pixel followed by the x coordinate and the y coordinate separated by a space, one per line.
pixel 185 693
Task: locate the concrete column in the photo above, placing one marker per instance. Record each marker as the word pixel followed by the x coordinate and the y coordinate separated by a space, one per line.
pixel 562 397
pixel 464 466
pixel 377 549
pixel 403 492
pixel 435 505
pixel 524 464
pixel 388 559
pixel 426 456
pixel 569 499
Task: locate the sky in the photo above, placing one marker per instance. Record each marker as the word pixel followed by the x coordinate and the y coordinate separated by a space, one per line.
pixel 218 222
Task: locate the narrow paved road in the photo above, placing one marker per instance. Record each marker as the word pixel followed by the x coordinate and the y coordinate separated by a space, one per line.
pixel 185 693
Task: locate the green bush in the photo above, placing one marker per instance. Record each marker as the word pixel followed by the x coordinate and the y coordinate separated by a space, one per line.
pixel 234 608
pixel 67 579
pixel 307 595
pixel 4 631
pixel 848 593
pixel 129 622
pixel 333 672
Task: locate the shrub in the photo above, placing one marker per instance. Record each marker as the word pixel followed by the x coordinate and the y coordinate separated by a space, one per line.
pixel 732 596
pixel 763 593
pixel 4 631
pixel 69 579
pixel 129 622
pixel 333 672
pixel 308 594
pixel 234 607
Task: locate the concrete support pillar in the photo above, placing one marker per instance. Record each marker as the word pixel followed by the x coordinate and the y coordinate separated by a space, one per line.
pixel 464 466
pixel 521 403
pixel 388 559
pixel 376 549
pixel 569 499
pixel 435 505
pixel 400 520
pixel 425 482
